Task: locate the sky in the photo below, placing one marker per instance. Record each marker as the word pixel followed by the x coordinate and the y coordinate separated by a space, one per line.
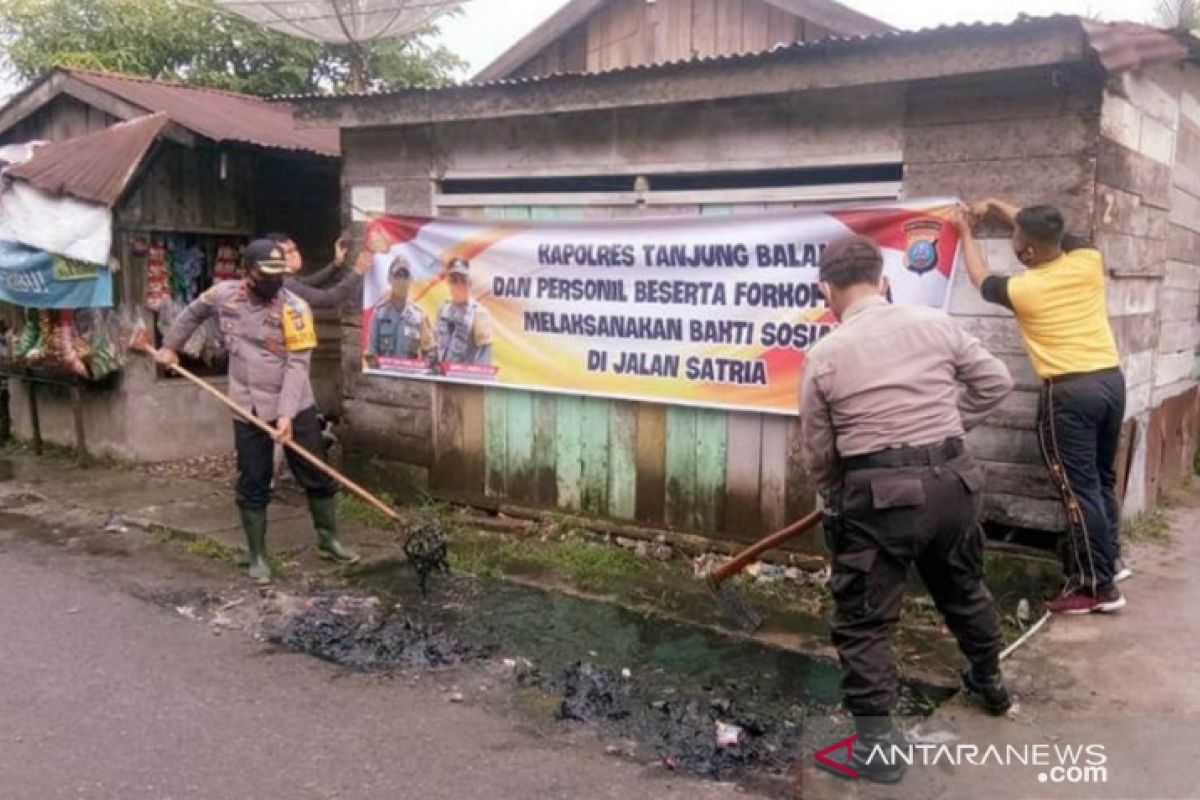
pixel 487 28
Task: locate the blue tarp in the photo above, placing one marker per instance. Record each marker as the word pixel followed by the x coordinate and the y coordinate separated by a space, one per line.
pixel 37 279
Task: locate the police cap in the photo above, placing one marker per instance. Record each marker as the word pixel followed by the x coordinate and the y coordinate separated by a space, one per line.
pixel 399 267
pixel 266 256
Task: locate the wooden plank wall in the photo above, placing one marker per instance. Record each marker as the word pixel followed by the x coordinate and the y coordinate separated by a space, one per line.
pixel 757 133
pixel 1148 185
pixel 180 189
pixel 1028 141
pixel 701 470
pixel 623 33
pixel 64 117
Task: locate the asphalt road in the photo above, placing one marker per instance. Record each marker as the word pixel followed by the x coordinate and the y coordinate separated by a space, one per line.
pixel 105 695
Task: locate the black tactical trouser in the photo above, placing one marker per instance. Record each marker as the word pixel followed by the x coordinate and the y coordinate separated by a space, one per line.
pixel 890 518
pixel 1079 430
pixel 256 460
pixel 5 416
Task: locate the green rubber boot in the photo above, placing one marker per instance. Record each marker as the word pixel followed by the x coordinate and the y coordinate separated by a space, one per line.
pixel 324 517
pixel 254 523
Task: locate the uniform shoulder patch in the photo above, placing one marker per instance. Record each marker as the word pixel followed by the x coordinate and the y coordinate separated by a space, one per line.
pixel 299 329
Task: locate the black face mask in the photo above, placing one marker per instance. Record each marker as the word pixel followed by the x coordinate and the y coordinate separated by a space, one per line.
pixel 265 289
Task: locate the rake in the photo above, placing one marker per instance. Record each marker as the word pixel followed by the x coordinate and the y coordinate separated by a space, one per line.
pixel 734 603
pixel 425 545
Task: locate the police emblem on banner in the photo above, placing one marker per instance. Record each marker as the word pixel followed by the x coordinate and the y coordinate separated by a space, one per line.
pixel 921 249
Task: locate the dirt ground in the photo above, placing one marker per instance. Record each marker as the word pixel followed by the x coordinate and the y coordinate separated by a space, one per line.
pixel 150 677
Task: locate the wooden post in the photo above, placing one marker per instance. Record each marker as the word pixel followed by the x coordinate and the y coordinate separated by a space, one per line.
pixel 77 412
pixel 33 416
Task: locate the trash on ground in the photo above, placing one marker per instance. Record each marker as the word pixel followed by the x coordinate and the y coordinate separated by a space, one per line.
pixel 728 735
pixel 1023 612
pixel 189 612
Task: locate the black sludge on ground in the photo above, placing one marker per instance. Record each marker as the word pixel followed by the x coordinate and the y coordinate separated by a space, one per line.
pixel 365 641
pixel 681 731
pixel 590 694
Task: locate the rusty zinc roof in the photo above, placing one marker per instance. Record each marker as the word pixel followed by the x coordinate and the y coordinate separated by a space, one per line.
pixel 216 115
pixel 1118 46
pixel 1124 46
pixel 96 167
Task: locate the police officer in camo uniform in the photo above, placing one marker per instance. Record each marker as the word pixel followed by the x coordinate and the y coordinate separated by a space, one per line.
pixel 270 335
pixel 464 327
pixel 399 328
pixel 885 402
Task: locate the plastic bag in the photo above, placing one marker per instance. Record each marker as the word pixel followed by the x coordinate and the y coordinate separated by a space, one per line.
pixel 44 332
pixel 63 351
pixel 135 330
pixel 100 330
pixel 31 335
pixel 158 277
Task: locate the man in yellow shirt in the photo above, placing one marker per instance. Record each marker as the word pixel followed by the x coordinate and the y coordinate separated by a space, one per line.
pixel 1061 309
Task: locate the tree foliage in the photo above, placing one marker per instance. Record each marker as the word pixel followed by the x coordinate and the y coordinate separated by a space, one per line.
pixel 188 41
pixel 1181 15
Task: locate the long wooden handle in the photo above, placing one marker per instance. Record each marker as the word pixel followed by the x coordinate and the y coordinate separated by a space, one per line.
pixel 245 414
pixel 742 559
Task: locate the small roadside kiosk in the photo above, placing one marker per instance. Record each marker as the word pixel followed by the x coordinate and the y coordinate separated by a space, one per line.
pixel 55 264
pixel 173 181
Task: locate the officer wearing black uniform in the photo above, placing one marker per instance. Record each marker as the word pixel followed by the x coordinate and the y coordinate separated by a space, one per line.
pixel 885 402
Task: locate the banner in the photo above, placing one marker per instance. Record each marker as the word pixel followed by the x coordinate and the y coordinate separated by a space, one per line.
pixel 715 311
pixel 37 279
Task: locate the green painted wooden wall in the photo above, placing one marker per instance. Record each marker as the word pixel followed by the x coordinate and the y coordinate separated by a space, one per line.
pixel 732 474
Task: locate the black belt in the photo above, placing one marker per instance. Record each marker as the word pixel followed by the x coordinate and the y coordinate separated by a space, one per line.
pixel 931 456
pixel 1071 376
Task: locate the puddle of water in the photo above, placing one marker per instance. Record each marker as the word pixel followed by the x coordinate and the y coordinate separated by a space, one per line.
pixel 554 629
pixel 662 684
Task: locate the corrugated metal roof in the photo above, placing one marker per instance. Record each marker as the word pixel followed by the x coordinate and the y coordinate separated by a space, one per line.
pixel 220 116
pixel 1118 46
pixel 95 167
pixel 1124 46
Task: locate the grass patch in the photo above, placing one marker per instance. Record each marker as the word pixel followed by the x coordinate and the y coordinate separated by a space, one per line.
pixel 61 454
pixel 1179 496
pixel 602 568
pixel 586 565
pixel 356 510
pixel 206 547
pixel 1151 526
pixel 65 455
pixel 210 548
